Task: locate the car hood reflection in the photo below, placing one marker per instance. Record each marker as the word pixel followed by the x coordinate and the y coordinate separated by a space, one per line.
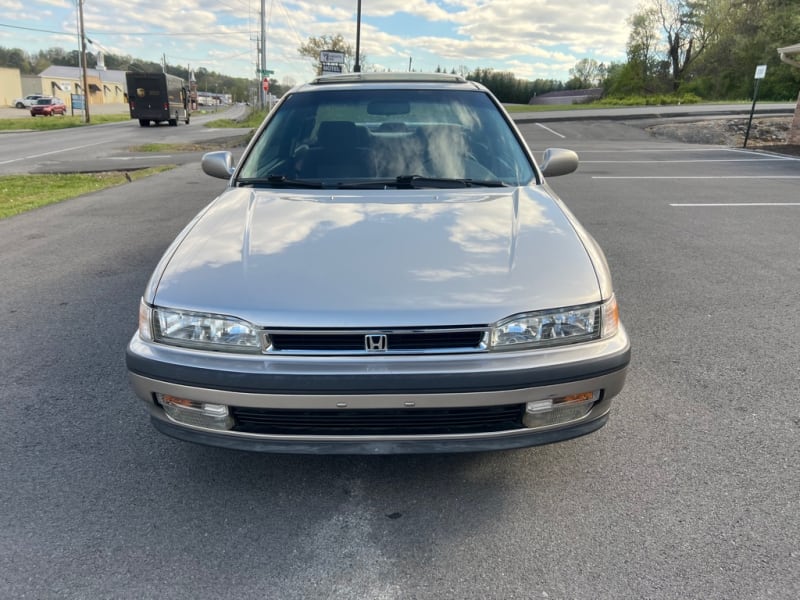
pixel 377 258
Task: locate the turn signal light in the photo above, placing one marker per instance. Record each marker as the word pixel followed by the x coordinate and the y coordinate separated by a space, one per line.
pixel 556 411
pixel 198 414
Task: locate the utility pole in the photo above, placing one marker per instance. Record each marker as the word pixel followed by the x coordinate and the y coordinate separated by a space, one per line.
pixel 83 61
pixel 262 92
pixel 357 66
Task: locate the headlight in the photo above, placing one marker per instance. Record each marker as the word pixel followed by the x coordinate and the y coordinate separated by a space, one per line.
pixel 203 331
pixel 556 327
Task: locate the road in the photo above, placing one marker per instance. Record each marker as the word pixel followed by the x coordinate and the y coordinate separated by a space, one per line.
pixel 106 146
pixel 691 490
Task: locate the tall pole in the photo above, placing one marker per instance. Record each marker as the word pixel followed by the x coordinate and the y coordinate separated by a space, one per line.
pixel 357 66
pixel 752 112
pixel 83 61
pixel 262 92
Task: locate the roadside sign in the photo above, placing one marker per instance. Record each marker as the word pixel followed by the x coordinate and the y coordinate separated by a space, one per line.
pixel 761 70
pixel 331 61
pixel 76 100
pixel 330 56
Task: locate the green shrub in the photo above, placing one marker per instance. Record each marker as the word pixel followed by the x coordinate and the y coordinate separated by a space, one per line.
pixel 652 100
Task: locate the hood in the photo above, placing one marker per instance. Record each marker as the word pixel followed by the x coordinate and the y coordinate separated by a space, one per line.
pixel 377 258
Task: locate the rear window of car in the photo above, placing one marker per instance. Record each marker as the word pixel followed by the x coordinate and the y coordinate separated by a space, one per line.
pixel 396 132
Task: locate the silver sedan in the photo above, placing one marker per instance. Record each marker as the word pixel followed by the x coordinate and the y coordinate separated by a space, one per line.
pixel 386 272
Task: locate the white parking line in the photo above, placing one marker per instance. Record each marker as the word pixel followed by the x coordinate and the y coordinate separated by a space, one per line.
pixel 696 177
pixel 658 162
pixel 5 162
pixel 658 150
pixel 551 131
pixel 728 204
pixel 149 156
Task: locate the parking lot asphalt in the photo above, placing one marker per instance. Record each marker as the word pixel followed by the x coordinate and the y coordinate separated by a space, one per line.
pixel 690 491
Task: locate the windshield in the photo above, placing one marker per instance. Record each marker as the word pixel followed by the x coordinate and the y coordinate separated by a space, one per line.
pixel 339 137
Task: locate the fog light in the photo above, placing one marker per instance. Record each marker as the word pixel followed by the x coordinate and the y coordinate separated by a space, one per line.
pixel 555 411
pixel 198 414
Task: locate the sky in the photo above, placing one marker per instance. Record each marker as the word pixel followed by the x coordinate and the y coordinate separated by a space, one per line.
pixel 534 39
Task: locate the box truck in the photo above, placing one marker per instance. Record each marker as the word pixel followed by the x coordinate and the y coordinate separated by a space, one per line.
pixel 157 97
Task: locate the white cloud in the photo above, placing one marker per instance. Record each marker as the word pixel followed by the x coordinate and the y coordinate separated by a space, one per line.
pixel 531 38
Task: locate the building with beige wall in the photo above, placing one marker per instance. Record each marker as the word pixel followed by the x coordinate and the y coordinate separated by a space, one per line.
pixel 10 86
pixel 105 87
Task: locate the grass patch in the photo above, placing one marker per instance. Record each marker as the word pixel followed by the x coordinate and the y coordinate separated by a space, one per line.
pixel 253 120
pixel 651 100
pixel 21 193
pixel 57 122
pixel 209 146
pixel 516 108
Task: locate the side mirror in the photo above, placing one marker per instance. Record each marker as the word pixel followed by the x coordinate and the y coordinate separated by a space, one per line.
pixel 218 164
pixel 558 161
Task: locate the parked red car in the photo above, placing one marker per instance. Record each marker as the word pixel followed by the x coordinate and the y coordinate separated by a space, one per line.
pixel 48 106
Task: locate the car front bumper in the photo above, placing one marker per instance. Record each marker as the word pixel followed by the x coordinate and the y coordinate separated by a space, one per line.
pixel 389 386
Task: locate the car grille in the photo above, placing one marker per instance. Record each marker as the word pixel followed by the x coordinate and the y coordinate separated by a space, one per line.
pixel 470 339
pixel 408 421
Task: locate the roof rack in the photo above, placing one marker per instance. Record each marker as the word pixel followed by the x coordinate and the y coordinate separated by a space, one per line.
pixel 388 78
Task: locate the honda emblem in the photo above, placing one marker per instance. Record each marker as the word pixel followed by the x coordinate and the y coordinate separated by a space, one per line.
pixel 376 343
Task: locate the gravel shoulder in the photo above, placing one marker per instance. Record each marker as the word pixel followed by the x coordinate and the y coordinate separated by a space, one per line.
pixel 766 133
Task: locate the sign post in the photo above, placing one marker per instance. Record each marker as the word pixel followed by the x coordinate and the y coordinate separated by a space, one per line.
pixel 76 102
pixel 761 71
pixel 264 74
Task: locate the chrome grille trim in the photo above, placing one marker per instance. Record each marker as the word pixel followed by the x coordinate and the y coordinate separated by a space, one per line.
pixel 344 342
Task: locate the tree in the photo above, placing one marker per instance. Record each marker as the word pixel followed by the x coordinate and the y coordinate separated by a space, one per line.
pixel 336 43
pixel 689 27
pixel 587 73
pixel 749 36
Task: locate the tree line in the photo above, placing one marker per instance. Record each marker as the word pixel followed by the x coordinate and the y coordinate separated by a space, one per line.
pixel 709 48
pixel 239 88
pixel 706 49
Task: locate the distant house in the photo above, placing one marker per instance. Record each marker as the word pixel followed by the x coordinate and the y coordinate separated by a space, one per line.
pixel 568 97
pixel 105 87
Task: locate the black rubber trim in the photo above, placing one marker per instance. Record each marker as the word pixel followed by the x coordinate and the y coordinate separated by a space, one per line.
pixel 457 445
pixel 374 384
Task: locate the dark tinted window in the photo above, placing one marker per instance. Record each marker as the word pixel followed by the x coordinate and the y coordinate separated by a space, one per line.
pixel 335 135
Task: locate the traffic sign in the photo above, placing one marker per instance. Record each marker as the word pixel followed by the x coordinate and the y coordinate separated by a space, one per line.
pixel 265 84
pixel 761 71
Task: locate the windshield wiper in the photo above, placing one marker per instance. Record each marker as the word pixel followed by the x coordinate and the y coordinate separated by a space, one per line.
pixel 279 181
pixel 418 181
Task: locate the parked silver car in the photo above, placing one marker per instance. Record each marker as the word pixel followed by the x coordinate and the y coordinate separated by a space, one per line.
pixel 28 100
pixel 387 272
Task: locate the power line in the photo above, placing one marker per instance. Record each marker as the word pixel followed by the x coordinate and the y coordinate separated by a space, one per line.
pixel 291 24
pixel 134 33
